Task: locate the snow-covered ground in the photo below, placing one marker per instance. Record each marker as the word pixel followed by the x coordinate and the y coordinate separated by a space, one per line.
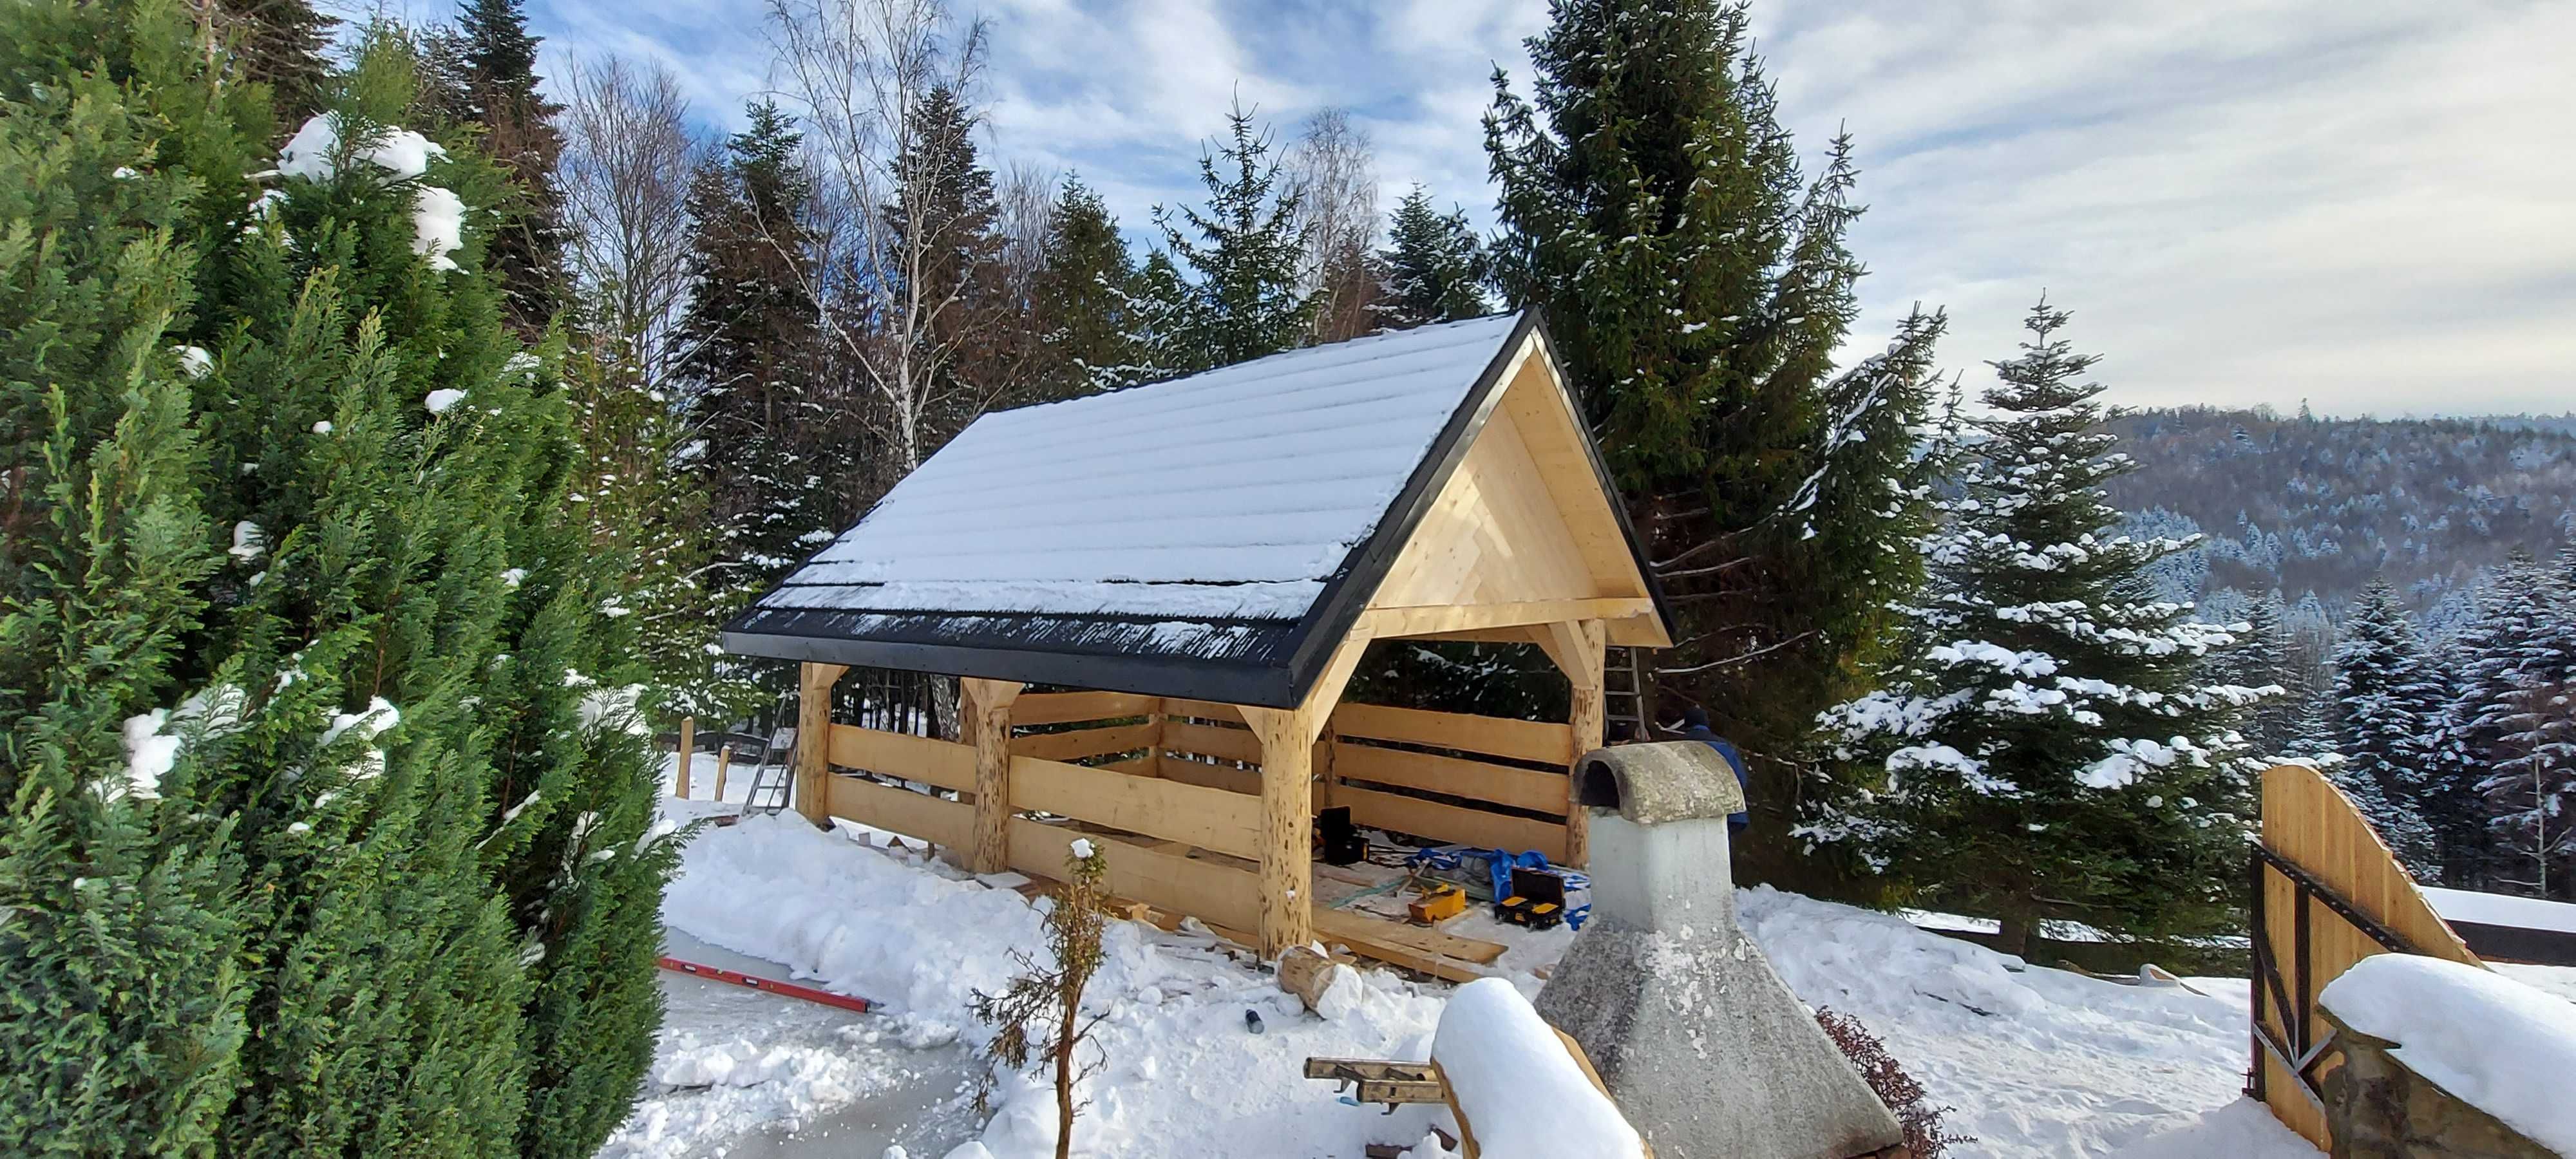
pixel 2036 1062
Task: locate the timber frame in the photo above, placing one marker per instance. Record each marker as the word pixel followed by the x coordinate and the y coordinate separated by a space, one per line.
pixel 1202 782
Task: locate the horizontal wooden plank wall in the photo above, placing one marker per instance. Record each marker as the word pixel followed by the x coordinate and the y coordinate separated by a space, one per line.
pixel 946 764
pixel 1216 894
pixel 1190 814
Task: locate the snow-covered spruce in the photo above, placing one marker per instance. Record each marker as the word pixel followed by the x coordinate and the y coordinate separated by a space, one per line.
pixel 2390 709
pixel 2047 743
pixel 317 153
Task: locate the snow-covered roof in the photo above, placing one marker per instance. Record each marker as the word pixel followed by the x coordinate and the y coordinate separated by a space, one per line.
pixel 1203 523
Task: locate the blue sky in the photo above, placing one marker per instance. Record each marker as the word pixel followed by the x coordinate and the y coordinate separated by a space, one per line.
pixel 2370 204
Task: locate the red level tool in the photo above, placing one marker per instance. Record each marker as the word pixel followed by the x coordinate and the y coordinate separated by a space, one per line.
pixel 772 985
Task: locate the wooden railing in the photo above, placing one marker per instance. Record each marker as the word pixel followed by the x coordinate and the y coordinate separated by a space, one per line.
pixel 2327 893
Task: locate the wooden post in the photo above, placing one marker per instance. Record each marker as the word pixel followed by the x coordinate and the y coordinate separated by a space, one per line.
pixel 1287 826
pixel 814 739
pixel 986 723
pixel 688 754
pixel 1578 649
pixel 724 760
pixel 1288 738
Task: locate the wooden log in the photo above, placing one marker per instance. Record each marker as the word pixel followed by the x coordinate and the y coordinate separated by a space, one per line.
pixel 986 722
pixel 724 761
pixel 1287 826
pixel 688 753
pixel 1579 649
pixel 1305 973
pixel 814 739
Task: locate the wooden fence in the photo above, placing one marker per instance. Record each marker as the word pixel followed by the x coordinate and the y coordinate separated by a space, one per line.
pixel 1177 784
pixel 2327 893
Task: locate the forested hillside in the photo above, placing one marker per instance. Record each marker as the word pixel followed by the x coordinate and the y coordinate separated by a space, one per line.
pixel 2318 506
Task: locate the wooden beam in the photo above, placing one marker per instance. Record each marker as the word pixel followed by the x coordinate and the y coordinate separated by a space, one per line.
pixel 688 754
pixel 1528 740
pixel 1067 707
pixel 1501 784
pixel 1208 740
pixel 986 722
pixel 1578 649
pixel 1207 818
pixel 903 756
pixel 934 820
pixel 1436 619
pixel 814 738
pixel 1085 742
pixel 1441 822
pixel 1287 826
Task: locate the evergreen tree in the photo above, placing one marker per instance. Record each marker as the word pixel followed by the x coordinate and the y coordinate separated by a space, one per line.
pixel 1434 266
pixel 1697 287
pixel 2388 710
pixel 1244 250
pixel 381 649
pixel 280 44
pixel 2531 789
pixel 1082 299
pixel 1163 320
pixel 2045 746
pixel 503 95
pixel 122 1016
pixel 753 344
pixel 2507 650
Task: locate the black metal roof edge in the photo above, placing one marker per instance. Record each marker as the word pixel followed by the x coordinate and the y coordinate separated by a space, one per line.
pixel 1230 682
pixel 1601 474
pixel 1347 593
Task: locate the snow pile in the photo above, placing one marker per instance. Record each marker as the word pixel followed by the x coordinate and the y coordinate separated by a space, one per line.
pixel 194 361
pixel 441 399
pixel 153 740
pixel 248 542
pixel 1178 1068
pixel 2037 1063
pixel 2499 1045
pixel 1522 1093
pixel 438 226
pixel 311 153
pixel 2040 1064
pixel 398 154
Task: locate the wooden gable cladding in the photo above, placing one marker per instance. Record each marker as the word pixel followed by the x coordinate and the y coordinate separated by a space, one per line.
pixel 1522 532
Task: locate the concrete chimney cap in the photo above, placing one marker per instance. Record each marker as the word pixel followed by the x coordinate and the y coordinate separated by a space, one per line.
pixel 1653 783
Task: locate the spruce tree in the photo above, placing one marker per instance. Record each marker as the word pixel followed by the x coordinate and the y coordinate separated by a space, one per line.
pixel 1244 251
pixel 2044 749
pixel 1434 266
pixel 123 1010
pixel 503 96
pixel 280 44
pixel 1082 297
pixel 2507 650
pixel 771 447
pixel 946 241
pixel 1697 286
pixel 2388 712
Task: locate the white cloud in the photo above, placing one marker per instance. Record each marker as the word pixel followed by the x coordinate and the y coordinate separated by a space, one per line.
pixel 2359 202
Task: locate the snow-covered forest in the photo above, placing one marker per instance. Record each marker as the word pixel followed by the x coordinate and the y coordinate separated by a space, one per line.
pixel 390 428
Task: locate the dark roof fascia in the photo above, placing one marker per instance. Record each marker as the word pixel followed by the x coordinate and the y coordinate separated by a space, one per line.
pixel 1348 592
pixel 1229 682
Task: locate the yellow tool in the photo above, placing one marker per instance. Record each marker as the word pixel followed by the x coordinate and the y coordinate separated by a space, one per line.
pixel 1440 904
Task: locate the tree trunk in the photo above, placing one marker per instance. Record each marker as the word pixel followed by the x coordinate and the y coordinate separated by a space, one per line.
pixel 1064 1074
pixel 2014 938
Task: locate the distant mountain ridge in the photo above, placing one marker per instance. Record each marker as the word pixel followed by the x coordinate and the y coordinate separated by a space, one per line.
pixel 2317 506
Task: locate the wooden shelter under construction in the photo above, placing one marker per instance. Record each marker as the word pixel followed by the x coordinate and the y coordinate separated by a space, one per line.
pixel 1193 570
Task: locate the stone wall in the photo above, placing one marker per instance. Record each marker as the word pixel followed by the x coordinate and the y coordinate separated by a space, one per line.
pixel 2379 1109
